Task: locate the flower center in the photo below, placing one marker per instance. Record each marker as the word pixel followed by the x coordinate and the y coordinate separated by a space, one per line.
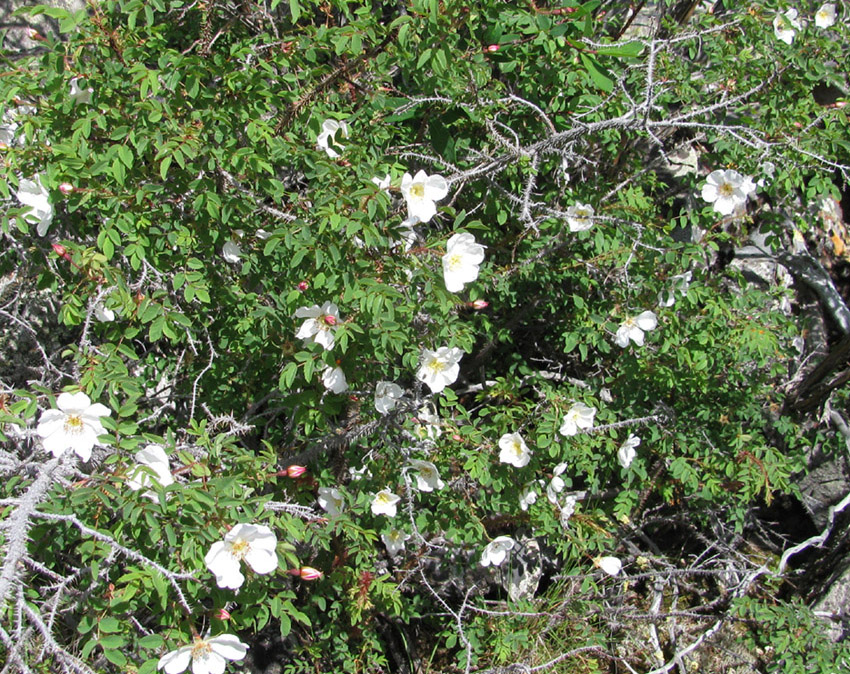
pixel 436 366
pixel 383 497
pixel 329 320
pixel 73 424
pixel 200 649
pixel 630 323
pixel 455 261
pixel 726 190
pixel 239 549
pixel 516 448
pixel 417 190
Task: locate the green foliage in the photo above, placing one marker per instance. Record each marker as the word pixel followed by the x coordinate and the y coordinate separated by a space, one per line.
pixel 193 200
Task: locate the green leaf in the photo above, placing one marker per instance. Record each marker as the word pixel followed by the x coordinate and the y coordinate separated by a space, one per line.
pixel 295 10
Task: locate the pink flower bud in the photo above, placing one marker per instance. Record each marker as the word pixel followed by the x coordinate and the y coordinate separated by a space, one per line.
pixel 480 304
pixel 306 573
pixel 309 573
pixel 66 188
pixel 493 48
pixel 456 438
pixel 295 471
pixel 222 614
pixel 59 249
pixel 303 286
pixel 330 320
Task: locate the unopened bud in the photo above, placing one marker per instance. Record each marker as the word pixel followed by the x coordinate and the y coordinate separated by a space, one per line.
pixel 303 286
pixel 456 438
pixel 479 304
pixel 295 471
pixel 66 188
pixel 493 48
pixel 222 614
pixel 59 249
pixel 306 573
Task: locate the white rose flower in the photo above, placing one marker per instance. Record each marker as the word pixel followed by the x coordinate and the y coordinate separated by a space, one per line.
pixel 231 252
pixel 439 368
pixel 567 511
pixel 385 503
pixel 556 484
pixel 633 328
pixel 579 416
pixel 333 379
pixel 626 454
pixel 727 190
pixel 103 314
pixel 679 284
pixel 421 192
pixel 154 459
pixel 580 217
pixel 428 423
pixel 785 26
pixel 394 540
pixel 497 550
pixel 320 326
pixel 514 450
pixel 461 261
pixel 34 194
pixel 331 500
pixel 206 655
pixel 74 425
pixel 427 476
pixel 254 543
pixel 528 496
pixel 825 16
pixel 382 183
pixel 327 138
pixel 610 565
pixel 387 395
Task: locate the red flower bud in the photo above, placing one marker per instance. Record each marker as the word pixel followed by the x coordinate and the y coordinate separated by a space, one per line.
pixel 303 286
pixel 480 304
pixel 330 320
pixel 66 188
pixel 493 48
pixel 59 249
pixel 222 614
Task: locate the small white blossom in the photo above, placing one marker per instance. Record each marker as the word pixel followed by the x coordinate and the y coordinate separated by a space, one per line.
pixel 610 565
pixel 421 192
pixel 255 543
pixel 497 550
pixel 34 194
pixel 263 234
pixel 231 252
pixel 320 326
pixel 333 379
pixel 331 500
pixel 528 496
pixel 385 503
pixel 394 540
pixel 154 459
pixel 580 217
pixel 387 395
pixel 579 416
pixel 567 511
pixel 327 138
pixel 79 95
pixel 74 425
pixel 427 476
pixel 634 327
pixel 514 450
pixel 556 484
pixel 206 655
pixel 626 454
pixel 356 474
pixel 103 314
pixel 727 190
pixel 439 368
pixel 785 26
pixel 825 16
pixel 461 261
pixel 428 423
